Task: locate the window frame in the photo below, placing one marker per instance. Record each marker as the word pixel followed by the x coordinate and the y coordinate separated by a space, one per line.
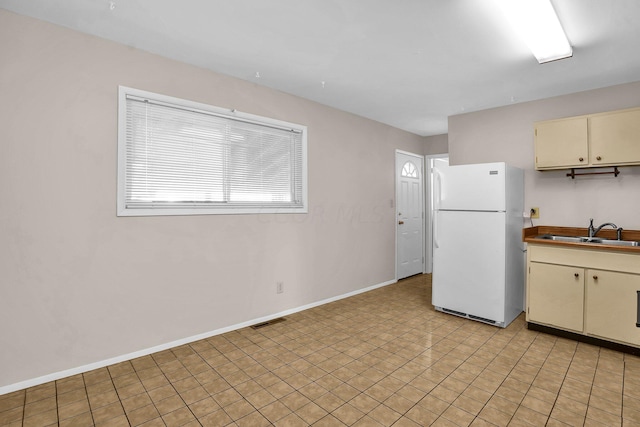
pixel 219 208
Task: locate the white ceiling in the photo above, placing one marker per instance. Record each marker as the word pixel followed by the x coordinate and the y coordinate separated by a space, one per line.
pixel 407 63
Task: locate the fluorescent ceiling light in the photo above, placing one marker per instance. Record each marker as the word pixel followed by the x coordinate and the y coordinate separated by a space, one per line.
pixel 538 25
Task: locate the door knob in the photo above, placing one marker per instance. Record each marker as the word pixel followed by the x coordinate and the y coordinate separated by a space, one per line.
pixel 400 222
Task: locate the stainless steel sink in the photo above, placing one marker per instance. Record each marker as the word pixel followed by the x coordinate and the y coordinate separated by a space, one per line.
pixel 619 242
pixel 571 239
pixel 596 240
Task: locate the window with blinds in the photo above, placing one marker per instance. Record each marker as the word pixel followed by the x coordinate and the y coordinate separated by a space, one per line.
pixel 177 157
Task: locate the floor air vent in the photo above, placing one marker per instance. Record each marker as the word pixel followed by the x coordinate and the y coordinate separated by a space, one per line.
pixel 470 316
pixel 268 322
pixel 457 313
pixel 482 319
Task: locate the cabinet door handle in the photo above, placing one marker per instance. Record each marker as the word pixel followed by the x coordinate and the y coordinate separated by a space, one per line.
pixel 581 159
pixel 599 158
pixel 576 275
pixel 638 310
pixel 595 277
pixel 400 222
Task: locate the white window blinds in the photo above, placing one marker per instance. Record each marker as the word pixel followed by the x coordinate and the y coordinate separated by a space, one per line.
pixel 179 158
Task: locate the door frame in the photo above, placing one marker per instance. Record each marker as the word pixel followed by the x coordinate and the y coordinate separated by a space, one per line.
pixel 428 198
pixel 395 218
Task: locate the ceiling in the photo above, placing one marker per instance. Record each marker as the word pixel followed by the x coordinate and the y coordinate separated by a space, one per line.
pixel 406 63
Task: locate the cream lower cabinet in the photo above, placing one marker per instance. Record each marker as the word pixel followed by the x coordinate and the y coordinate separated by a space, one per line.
pixel 589 292
pixel 556 296
pixel 612 306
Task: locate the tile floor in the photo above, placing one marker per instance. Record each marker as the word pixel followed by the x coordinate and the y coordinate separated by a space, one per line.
pixel 380 358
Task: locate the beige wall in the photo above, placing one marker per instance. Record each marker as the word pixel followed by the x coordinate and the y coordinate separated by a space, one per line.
pixel 506 134
pixel 436 144
pixel 80 285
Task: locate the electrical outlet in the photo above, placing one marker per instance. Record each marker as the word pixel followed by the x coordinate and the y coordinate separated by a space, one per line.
pixel 279 287
pixel 535 212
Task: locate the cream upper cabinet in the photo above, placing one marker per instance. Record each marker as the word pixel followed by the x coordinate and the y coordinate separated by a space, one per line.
pixel 615 138
pixel 561 143
pixel 605 139
pixel 612 306
pixel 556 296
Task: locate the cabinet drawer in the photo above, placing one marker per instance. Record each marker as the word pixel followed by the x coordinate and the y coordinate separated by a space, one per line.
pixel 587 258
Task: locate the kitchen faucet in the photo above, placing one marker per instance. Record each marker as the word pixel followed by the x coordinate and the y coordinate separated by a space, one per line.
pixel 593 231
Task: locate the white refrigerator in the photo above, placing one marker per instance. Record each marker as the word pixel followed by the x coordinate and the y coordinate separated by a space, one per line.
pixel 478 258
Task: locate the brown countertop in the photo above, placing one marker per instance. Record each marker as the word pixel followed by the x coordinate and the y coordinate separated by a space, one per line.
pixel 529 236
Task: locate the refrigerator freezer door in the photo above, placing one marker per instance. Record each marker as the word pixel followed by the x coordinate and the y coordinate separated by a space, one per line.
pixel 479 187
pixel 469 263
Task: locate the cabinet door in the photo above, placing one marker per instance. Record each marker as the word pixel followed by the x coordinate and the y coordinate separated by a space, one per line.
pixel 556 296
pixel 615 138
pixel 612 306
pixel 561 143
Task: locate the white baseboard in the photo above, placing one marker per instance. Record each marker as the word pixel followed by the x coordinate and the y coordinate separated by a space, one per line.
pixel 101 364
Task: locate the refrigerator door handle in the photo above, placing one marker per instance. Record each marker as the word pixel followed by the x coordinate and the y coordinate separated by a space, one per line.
pixel 438 190
pixel 435 229
pixel 436 208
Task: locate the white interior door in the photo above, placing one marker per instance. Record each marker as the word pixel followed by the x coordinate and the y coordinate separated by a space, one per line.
pixel 410 215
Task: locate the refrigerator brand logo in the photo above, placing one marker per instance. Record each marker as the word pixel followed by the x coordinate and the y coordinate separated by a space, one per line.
pixel 493 172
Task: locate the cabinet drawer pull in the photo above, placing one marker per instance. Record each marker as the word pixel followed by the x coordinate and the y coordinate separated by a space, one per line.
pixel 576 275
pixel 599 158
pixel 581 159
pixel 638 310
pixel 595 277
